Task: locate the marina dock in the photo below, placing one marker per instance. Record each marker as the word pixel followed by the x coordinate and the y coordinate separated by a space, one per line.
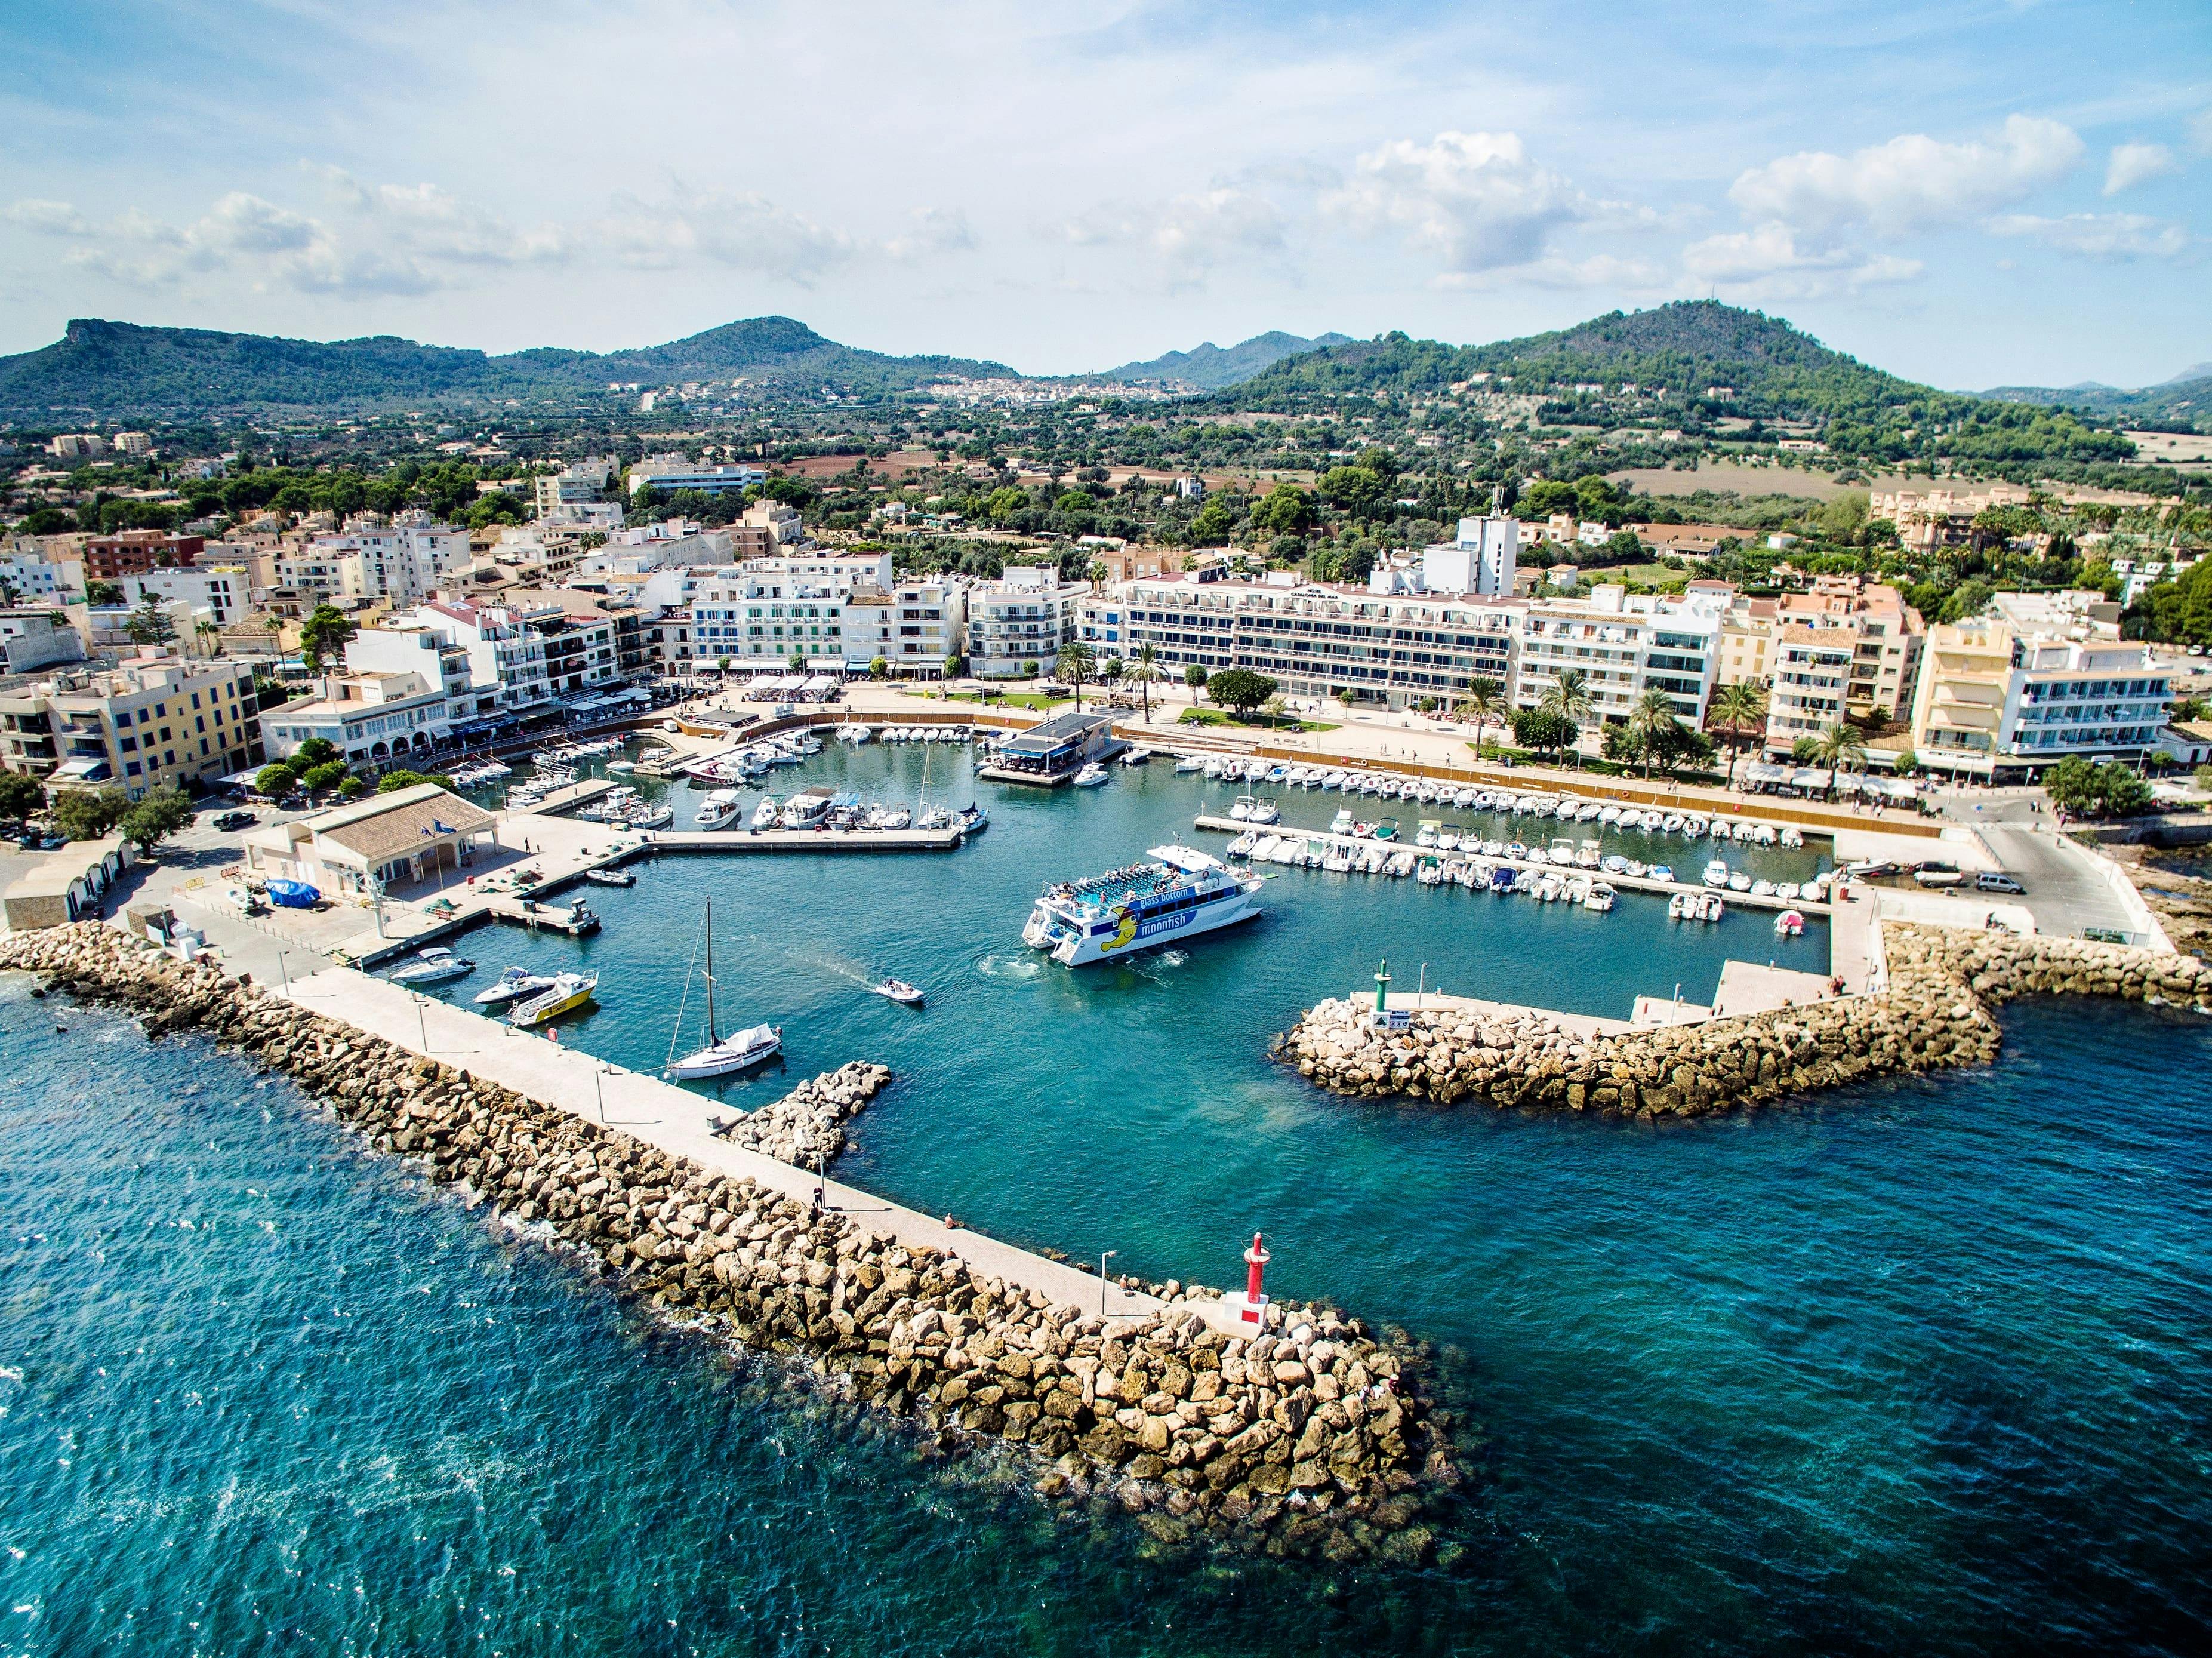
pixel 1623 883
pixel 802 840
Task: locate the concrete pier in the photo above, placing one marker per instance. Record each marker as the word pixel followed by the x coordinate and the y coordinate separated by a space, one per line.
pixel 1623 883
pixel 680 1123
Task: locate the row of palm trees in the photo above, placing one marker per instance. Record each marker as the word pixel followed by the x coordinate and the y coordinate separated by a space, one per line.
pixel 1077 665
pixel 1739 710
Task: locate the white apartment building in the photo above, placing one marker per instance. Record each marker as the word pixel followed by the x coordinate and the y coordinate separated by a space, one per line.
pixel 1625 644
pixel 1314 639
pixel 913 627
pixel 507 659
pixel 373 719
pixel 673 472
pixel 221 593
pixel 1023 617
pixel 413 647
pixel 77 446
pixel 33 578
pixel 1811 680
pixel 578 483
pixel 134 443
pixel 34 636
pixel 1481 561
pixel 766 612
pixel 2004 704
pixel 402 564
pixel 673 541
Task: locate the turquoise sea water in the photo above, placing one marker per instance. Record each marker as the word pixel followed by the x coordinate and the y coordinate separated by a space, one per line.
pixel 1923 1366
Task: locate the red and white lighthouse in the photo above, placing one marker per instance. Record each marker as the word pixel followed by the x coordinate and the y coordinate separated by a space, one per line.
pixel 1250 1308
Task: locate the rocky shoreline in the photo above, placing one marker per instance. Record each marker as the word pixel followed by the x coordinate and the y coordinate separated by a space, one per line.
pixel 1936 1011
pixel 1314 1440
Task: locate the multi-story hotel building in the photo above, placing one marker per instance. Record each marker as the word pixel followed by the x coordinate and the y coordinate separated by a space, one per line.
pixel 1625 644
pixel 158 719
pixel 2004 704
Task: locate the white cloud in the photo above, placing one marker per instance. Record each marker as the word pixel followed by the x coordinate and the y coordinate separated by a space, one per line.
pixel 936 231
pixel 1190 235
pixel 738 229
pixel 1472 199
pixel 2131 164
pixel 1769 261
pixel 1913 182
pixel 2111 236
pixel 433 223
pixel 54 218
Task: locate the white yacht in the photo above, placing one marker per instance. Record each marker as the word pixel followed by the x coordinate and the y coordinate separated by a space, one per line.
pixel 1180 892
pixel 718 810
pixel 513 982
pixel 434 966
pixel 724 1056
pixel 808 807
pixel 1091 777
pixel 1717 874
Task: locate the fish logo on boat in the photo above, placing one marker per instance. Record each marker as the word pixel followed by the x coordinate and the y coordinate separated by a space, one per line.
pixel 1124 934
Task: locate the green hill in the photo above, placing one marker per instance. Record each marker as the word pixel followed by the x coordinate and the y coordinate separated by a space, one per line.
pixel 1714 362
pixel 2182 403
pixel 124 369
pixel 1209 367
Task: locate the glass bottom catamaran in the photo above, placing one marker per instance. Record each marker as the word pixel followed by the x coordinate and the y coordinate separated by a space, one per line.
pixel 1180 894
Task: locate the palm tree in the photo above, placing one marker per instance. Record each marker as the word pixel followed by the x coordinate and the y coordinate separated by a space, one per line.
pixel 1075 664
pixel 1485 702
pixel 1144 664
pixel 1737 707
pixel 1650 721
pixel 1841 747
pixel 1571 697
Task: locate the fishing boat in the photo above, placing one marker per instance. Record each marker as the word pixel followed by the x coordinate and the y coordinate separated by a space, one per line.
pixel 808 807
pixel 1091 777
pixel 652 817
pixel 568 993
pixel 723 1055
pixel 1188 763
pixel 434 966
pixel 718 810
pixel 1179 893
pixel 610 877
pixel 898 990
pixel 514 981
pixel 1717 874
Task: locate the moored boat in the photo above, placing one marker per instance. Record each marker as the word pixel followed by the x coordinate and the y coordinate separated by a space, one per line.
pixel 1179 893
pixel 568 993
pixel 434 965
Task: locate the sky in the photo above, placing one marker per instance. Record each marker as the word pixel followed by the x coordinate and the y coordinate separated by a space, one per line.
pixel 1969 192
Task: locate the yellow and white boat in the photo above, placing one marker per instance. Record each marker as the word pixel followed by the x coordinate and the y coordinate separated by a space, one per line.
pixel 570 991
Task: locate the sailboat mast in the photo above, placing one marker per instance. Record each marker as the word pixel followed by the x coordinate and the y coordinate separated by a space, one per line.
pixel 711 1036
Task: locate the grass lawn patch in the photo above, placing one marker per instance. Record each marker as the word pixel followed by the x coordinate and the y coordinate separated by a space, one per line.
pixel 1258 723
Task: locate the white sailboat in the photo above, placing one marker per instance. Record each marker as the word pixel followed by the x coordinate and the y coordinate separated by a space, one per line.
pixel 724 1056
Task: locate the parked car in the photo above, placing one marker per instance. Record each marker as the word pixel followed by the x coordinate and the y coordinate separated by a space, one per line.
pixel 236 820
pixel 1997 881
pixel 35 840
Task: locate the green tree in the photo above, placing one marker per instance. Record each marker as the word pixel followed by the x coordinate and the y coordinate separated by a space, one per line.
pixel 879 667
pixel 392 782
pixel 1356 490
pixel 99 593
pixel 1544 730
pixel 1286 509
pixel 324 635
pixel 158 814
pixel 1485 703
pixel 1240 688
pixel 797 663
pixel 1076 664
pixel 2089 788
pixel 956 667
pixel 20 797
pixel 1737 708
pixel 1029 670
pixel 1194 676
pixel 1657 725
pixel 1216 522
pixel 88 814
pixel 148 623
pixel 315 751
pixel 1841 747
pixel 1907 764
pixel 1005 503
pixel 328 774
pixel 351 788
pixel 1144 669
pixel 276 780
pixel 1569 697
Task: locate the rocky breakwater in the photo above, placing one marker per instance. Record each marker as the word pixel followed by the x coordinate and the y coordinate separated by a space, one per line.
pixel 1315 1439
pixel 1935 1011
pixel 806 1127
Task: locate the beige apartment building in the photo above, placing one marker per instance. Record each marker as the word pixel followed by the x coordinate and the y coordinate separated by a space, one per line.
pixel 1811 684
pixel 2004 704
pixel 158 719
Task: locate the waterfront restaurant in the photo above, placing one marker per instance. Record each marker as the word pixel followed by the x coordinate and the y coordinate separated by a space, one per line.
pixel 1054 751
pixel 412 834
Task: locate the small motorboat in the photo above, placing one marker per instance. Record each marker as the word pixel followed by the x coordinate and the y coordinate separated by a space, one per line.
pixel 1186 763
pixel 1091 777
pixel 1137 756
pixel 1789 923
pixel 434 966
pixel 610 877
pixel 1681 906
pixel 567 993
pixel 1717 875
pixel 898 990
pixel 513 982
pixel 767 814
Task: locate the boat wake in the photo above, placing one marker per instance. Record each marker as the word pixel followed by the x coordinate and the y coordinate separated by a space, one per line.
pixel 1012 968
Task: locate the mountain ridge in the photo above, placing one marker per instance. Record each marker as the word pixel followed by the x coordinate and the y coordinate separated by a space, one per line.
pixel 1210 368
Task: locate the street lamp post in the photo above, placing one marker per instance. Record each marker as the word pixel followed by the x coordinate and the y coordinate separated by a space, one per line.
pixel 1102 1259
